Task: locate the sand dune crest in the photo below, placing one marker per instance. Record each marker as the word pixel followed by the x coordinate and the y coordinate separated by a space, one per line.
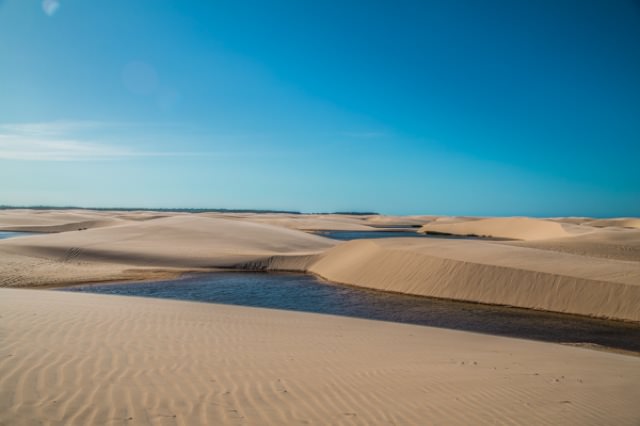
pixel 180 241
pixel 517 228
pixel 479 271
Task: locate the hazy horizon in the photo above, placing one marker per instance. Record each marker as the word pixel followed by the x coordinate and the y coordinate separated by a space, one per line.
pixel 260 210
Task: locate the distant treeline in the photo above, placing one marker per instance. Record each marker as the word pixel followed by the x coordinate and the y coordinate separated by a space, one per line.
pixel 354 213
pixel 144 209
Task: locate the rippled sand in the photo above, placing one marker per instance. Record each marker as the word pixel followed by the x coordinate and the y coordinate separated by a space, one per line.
pixel 70 358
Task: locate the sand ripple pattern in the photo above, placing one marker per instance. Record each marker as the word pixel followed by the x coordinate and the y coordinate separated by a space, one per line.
pixel 81 359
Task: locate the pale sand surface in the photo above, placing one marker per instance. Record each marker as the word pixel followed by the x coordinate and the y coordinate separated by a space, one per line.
pixel 628 222
pixel 35 271
pixel 144 249
pixel 306 222
pixel 70 358
pixel 92 359
pixel 317 223
pixel 55 221
pixel 454 219
pixel 573 219
pixel 519 228
pixel 581 236
pixel 329 222
pixel 555 266
pixel 480 271
pixel 180 241
pixel 407 221
pixel 609 243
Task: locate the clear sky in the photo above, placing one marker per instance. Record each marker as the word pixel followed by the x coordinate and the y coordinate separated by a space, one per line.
pixel 438 107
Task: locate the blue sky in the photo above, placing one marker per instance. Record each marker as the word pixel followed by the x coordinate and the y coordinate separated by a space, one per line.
pixel 426 107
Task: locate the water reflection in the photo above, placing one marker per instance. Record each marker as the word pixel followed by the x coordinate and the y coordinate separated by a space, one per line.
pixel 309 294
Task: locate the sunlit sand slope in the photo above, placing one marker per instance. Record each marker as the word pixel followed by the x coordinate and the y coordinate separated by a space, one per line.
pixel 608 243
pixel 480 271
pixel 55 221
pixel 187 242
pixel 563 267
pixel 518 228
pixel 625 222
pixel 306 222
pixel 80 359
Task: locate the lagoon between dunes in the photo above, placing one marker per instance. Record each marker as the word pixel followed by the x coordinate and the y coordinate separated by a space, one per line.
pixel 79 358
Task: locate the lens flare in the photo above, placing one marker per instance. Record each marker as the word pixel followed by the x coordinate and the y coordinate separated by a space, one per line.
pixel 50 6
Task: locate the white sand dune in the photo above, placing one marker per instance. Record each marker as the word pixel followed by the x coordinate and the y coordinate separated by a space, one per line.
pixel 307 222
pixel 397 221
pixel 479 271
pixel 180 241
pixel 608 243
pixel 620 222
pixel 328 222
pixel 144 249
pixel 315 223
pixel 54 221
pixel 20 270
pixel 569 235
pixel 517 228
pixel 571 220
pixel 88 359
pixel 624 222
pixel 138 249
pixel 93 359
pixel 142 215
pixel 454 219
pixel 586 271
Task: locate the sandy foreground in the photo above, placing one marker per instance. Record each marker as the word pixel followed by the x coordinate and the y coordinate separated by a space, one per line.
pixel 84 359
pixel 68 358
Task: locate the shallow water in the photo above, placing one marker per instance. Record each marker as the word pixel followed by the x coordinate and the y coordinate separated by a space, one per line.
pixel 309 294
pixel 357 235
pixel 11 234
